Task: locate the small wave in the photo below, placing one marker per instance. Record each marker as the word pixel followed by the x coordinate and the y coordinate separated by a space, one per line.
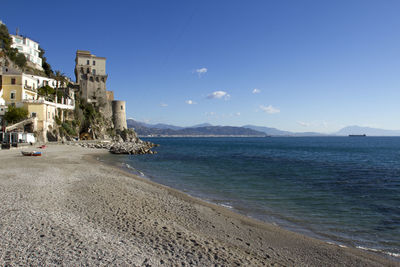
pixel 397 255
pixel 369 249
pixel 226 206
pixel 336 244
pixel 126 165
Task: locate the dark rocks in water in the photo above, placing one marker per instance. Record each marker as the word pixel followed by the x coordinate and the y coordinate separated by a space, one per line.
pixel 132 148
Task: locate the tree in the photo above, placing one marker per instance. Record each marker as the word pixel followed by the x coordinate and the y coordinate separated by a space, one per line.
pixel 46 66
pixel 46 91
pixel 14 114
pixel 20 60
pixel 5 39
pixel 61 82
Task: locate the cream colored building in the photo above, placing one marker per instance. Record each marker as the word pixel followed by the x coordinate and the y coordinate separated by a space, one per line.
pixel 21 90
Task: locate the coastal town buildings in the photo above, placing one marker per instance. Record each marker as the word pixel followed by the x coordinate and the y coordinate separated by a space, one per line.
pixel 47 108
pixel 29 48
pixel 21 90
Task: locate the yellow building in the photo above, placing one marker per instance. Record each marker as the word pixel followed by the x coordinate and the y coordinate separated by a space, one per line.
pixel 20 90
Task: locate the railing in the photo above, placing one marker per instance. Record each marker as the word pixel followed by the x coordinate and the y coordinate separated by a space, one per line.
pixel 29 88
pixel 57 105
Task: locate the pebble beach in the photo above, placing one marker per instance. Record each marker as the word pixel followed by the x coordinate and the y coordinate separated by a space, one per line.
pixel 68 208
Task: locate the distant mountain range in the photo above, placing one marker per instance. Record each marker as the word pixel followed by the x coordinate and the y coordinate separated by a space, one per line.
pixel 144 129
pixel 206 129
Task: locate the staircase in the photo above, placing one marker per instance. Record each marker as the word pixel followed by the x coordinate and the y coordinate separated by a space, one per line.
pixel 20 124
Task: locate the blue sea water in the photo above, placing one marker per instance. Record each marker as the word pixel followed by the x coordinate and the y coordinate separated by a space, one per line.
pixel 340 189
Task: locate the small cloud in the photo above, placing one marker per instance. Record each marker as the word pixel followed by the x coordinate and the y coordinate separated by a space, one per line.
pixel 163 105
pixel 256 91
pixel 190 102
pixel 304 124
pixel 269 109
pixel 211 113
pixel 219 95
pixel 237 114
pixel 201 71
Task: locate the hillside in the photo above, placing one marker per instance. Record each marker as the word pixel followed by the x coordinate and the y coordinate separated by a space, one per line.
pixel 143 130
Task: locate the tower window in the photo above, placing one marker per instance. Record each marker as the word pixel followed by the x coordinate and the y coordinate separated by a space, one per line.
pixel 88 70
pixel 12 95
pixel 94 63
pixel 13 81
pixel 88 62
pixel 122 108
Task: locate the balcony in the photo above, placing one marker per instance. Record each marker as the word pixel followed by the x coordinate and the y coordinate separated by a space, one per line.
pixel 27 87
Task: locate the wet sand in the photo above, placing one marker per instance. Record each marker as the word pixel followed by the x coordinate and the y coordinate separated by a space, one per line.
pixel 67 208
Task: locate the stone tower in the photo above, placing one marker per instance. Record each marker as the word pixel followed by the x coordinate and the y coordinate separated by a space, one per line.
pixel 119 115
pixel 90 73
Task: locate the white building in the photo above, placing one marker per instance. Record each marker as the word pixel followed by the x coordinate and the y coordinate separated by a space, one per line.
pixel 29 48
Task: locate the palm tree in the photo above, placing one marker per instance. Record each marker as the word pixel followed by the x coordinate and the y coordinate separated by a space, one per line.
pixel 61 80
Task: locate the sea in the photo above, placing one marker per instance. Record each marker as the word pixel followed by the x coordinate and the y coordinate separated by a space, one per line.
pixel 343 190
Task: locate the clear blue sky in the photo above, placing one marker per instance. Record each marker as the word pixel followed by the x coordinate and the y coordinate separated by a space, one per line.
pixel 316 65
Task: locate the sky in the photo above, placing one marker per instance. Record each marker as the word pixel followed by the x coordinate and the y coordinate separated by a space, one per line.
pixel 293 65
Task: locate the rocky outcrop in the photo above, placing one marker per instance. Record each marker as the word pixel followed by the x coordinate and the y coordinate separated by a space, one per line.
pixel 131 148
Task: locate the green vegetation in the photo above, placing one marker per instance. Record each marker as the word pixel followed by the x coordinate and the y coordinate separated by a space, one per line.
pixel 58 121
pixel 46 66
pixel 67 128
pixel 14 114
pixel 46 91
pixel 12 53
pixel 5 38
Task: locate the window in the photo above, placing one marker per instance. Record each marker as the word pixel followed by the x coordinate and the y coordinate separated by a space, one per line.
pixel 94 72
pixel 12 95
pixel 88 62
pixel 94 63
pixel 33 114
pixel 81 70
pixel 122 108
pixel 97 79
pixel 26 82
pixel 13 81
pixel 48 115
pixel 88 70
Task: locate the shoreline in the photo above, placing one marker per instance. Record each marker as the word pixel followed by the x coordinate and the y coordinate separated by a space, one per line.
pixel 288 225
pixel 75 209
